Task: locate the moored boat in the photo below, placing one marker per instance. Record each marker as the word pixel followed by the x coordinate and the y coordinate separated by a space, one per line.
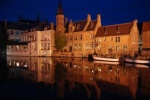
pixel 106 62
pixel 136 65
pixel 140 61
pixel 105 59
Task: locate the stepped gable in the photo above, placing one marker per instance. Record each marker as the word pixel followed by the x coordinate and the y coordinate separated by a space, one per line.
pixel 146 26
pixel 114 30
pixel 79 26
pixel 91 26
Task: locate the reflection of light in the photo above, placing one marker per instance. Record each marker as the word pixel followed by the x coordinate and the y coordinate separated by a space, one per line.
pixel 86 67
pixel 25 66
pixel 92 71
pixel 75 65
pixel 99 69
pixel 17 64
pixel 10 63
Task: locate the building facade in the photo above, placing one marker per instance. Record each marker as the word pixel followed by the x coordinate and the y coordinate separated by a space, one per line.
pixel 83 37
pixel 145 39
pixel 80 37
pixel 117 40
pixel 34 43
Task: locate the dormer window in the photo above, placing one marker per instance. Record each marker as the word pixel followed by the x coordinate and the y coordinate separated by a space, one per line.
pixel 118 29
pixel 105 30
pixel 78 25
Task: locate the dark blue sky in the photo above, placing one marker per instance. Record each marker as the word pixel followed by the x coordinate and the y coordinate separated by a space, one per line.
pixel 112 11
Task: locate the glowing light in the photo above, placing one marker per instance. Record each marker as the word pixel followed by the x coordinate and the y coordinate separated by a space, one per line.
pixel 10 63
pixel 25 66
pixel 17 64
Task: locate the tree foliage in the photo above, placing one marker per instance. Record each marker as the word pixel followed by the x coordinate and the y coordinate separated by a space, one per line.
pixel 60 41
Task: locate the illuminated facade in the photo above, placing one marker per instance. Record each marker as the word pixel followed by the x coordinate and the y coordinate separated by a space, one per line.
pixel 117 40
pixel 89 36
pixel 15 29
pixel 34 43
pixel 80 37
pixel 145 39
pixel 83 37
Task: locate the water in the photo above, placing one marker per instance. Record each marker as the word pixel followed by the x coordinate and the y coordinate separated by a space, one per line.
pixel 46 78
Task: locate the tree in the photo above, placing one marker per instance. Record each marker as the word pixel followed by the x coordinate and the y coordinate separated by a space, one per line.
pixel 60 41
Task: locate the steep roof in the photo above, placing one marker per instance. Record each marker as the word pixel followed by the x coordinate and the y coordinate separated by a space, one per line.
pixel 19 25
pixel 91 26
pixel 59 9
pixel 79 26
pixel 146 26
pixel 112 30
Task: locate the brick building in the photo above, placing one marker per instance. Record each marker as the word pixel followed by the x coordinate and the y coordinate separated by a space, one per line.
pixel 146 38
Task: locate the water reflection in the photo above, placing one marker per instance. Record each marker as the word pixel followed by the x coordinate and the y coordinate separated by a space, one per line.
pixel 92 79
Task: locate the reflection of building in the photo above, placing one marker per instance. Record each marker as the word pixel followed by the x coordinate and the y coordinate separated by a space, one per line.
pixel 33 68
pixel 91 77
pixel 114 78
pixel 144 75
pixel 122 80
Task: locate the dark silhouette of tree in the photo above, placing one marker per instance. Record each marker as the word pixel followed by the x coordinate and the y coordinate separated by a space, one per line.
pixel 60 41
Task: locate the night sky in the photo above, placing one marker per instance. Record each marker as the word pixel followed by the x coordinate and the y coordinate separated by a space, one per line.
pixel 112 11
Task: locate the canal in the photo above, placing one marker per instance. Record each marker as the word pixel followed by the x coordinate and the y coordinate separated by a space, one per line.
pixel 46 78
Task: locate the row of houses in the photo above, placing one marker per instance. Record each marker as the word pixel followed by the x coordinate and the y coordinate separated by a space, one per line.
pixel 83 37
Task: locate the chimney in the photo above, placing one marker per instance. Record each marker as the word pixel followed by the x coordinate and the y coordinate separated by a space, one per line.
pixel 88 17
pixel 99 19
